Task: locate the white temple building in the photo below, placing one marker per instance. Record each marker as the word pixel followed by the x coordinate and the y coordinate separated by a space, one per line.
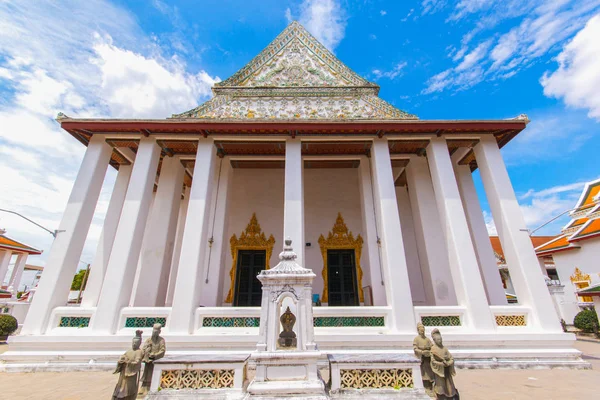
pixel 379 204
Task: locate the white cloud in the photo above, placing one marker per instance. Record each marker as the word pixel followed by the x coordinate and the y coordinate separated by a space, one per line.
pixel 432 6
pixel 137 86
pixel 391 74
pixel 541 27
pixel 382 12
pixel 55 61
pixel 325 19
pixel 577 79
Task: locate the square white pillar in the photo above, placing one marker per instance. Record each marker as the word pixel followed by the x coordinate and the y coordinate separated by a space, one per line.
pixel 17 272
pixel 211 284
pixel 107 238
pixel 5 257
pixel 468 283
pixel 415 272
pixel 55 283
pixel 158 244
pixel 395 269
pixel 480 236
pixel 177 251
pixel 195 242
pixel 120 272
pixel 293 207
pixel 522 262
pixel 431 244
pixel 370 251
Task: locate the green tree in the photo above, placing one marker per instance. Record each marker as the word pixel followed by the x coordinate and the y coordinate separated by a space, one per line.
pixel 78 280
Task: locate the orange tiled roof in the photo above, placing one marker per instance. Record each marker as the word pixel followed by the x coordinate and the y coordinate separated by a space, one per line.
pixel 10 244
pixel 590 229
pixel 535 240
pixel 561 243
pixel 587 197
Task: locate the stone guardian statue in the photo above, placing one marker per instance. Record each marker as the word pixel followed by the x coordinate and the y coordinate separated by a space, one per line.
pixel 128 369
pixel 442 364
pixel 154 348
pixel 422 346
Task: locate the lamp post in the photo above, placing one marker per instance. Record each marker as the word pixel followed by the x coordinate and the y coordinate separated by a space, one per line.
pixel 53 233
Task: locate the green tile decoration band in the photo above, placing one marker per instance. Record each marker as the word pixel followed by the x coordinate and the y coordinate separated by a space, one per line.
pixel 74 322
pixel 441 320
pixel 322 322
pixel 231 322
pixel 144 322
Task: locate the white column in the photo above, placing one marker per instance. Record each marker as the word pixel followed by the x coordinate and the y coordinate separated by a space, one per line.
pixel 195 242
pixel 107 238
pixel 480 236
pixel 431 244
pixel 5 256
pixel 17 272
pixel 63 259
pixel 369 229
pixel 393 259
pixel 293 206
pixel 468 284
pixel 518 250
pixel 138 268
pixel 120 271
pixel 158 244
pixel 417 287
pixel 211 283
pixel 177 251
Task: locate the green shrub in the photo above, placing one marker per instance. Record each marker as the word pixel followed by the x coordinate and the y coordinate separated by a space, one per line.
pixel 585 320
pixel 8 324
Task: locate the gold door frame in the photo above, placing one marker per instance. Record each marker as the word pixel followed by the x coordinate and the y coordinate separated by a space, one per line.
pixel 340 238
pixel 252 238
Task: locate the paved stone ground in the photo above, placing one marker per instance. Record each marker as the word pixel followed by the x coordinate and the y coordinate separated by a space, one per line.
pixel 473 384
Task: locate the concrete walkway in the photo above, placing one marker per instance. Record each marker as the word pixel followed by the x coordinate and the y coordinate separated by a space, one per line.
pixel 472 384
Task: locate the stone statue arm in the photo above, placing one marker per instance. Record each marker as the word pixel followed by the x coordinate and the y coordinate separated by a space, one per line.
pixel 161 350
pixel 418 351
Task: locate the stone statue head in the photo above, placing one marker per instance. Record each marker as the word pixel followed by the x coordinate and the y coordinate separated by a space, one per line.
pixel 437 337
pixel 421 329
pixel 137 340
pixel 156 330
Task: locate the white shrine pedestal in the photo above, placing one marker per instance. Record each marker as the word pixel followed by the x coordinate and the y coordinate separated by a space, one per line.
pixel 286 372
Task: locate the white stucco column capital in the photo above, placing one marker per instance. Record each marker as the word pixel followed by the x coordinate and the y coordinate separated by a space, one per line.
pixel 468 283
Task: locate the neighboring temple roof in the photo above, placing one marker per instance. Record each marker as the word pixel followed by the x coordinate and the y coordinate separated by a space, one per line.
pixel 7 243
pixel 296 77
pixel 499 253
pixel 590 291
pixel 584 224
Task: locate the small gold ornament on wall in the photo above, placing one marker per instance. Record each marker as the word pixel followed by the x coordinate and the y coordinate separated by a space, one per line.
pixel 252 238
pixel 340 238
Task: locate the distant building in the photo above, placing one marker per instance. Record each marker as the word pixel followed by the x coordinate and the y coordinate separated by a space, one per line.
pixel 576 251
pixel 9 248
pixel 546 264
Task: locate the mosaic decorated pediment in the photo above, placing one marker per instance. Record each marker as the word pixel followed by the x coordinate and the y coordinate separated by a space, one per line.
pixel 295 58
pixel 295 78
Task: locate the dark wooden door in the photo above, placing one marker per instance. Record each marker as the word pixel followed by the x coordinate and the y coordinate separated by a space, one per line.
pixel 248 289
pixel 341 278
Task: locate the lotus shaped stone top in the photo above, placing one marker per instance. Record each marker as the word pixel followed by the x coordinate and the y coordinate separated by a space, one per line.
pixel 287 263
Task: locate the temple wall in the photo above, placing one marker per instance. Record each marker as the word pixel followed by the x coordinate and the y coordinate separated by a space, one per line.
pixel 257 191
pixel 327 192
pixel 586 259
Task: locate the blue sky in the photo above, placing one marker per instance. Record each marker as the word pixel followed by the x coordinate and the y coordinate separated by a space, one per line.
pixel 467 59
